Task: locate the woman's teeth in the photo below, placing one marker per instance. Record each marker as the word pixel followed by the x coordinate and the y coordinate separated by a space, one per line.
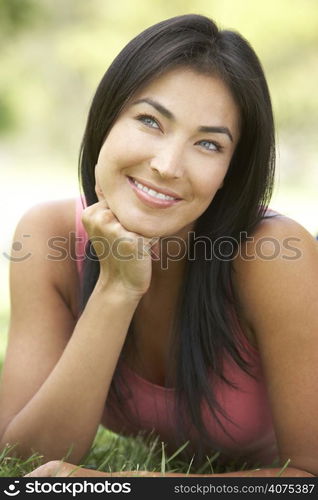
pixel 153 193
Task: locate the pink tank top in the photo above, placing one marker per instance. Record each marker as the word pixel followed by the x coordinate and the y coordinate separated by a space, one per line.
pixel 249 431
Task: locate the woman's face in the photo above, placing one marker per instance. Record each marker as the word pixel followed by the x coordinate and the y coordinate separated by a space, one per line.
pixel 176 135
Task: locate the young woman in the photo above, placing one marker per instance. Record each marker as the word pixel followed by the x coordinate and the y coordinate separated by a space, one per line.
pixel 194 311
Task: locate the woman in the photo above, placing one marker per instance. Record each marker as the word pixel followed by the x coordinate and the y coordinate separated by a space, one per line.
pixel 196 315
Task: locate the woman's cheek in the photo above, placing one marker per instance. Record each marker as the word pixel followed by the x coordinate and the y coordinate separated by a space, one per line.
pixel 139 147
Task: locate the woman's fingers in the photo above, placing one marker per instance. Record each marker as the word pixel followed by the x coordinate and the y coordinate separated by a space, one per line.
pixel 56 468
pixel 100 196
pixel 99 192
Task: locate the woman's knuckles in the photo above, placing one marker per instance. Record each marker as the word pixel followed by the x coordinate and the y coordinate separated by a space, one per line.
pixel 124 256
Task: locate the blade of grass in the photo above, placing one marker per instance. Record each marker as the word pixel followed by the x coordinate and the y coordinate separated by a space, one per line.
pixel 188 471
pixel 179 450
pixel 106 460
pixel 152 448
pixel 208 463
pixel 279 473
pixel 163 459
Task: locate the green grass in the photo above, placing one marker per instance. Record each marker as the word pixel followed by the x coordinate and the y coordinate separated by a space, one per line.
pixel 114 453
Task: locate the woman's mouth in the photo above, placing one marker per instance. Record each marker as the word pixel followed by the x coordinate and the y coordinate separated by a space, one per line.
pixel 150 197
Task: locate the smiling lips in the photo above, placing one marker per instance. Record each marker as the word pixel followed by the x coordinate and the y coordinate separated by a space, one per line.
pixel 152 197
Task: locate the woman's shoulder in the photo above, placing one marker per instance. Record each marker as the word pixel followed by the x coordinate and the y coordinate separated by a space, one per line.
pixel 278 243
pixel 273 265
pixel 276 237
pixel 50 227
pixel 57 213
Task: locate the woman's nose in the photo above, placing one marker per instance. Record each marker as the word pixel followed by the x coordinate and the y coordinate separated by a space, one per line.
pixel 169 162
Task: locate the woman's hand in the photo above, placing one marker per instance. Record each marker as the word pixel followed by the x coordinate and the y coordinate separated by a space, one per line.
pixel 57 468
pixel 125 257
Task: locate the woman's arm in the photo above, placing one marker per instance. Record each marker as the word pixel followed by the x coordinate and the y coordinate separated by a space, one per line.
pixel 276 279
pixel 279 300
pixel 56 468
pixel 57 372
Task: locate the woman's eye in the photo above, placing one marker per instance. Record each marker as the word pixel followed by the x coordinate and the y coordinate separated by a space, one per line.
pixel 148 120
pixel 211 146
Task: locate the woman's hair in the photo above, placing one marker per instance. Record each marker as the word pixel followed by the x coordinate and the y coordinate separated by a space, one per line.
pixel 206 328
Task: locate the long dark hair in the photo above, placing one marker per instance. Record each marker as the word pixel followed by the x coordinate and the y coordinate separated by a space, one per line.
pixel 205 330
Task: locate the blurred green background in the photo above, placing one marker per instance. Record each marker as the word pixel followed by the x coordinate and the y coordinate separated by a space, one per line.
pixel 54 53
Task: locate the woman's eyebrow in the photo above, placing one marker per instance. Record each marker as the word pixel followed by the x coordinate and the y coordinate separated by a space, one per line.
pixel 165 112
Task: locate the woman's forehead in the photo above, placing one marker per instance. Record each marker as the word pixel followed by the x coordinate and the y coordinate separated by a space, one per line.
pixel 183 91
